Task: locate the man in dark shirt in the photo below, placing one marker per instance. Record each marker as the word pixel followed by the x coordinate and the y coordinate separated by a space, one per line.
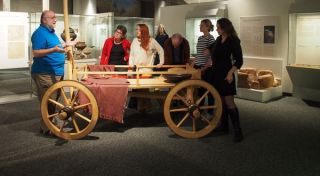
pixel 176 50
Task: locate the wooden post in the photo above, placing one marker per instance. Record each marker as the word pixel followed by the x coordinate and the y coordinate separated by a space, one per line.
pixel 70 61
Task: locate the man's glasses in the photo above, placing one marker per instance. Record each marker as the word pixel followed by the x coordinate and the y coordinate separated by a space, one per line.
pixel 52 18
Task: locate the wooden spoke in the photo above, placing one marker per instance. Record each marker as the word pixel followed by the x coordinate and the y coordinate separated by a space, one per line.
pixel 81 106
pixel 190 91
pixel 193 125
pixel 75 125
pixel 207 107
pixel 52 115
pixel 56 103
pixel 179 110
pixel 74 97
pixel 202 97
pixel 205 119
pixel 61 127
pixel 66 100
pixel 182 99
pixel 70 93
pixel 184 118
pixel 82 117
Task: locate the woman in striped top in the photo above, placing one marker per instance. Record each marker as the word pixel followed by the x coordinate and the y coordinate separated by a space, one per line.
pixel 203 60
pixel 204 42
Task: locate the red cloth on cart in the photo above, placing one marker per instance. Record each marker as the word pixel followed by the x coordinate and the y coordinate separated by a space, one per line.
pixel 111 94
pixel 100 68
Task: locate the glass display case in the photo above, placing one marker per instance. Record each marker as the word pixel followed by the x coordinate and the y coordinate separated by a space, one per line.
pixel 91 29
pixel 304 56
pixel 193 31
pixel 131 22
pixel 304 38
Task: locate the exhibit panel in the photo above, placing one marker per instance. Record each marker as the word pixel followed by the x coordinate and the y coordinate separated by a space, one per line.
pixel 14 32
pixel 259 36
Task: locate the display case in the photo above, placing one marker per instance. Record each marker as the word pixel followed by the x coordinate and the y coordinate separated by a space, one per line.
pixel 304 56
pixel 304 38
pixel 131 22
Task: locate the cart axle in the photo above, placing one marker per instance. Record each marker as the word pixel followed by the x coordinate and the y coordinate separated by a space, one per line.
pixel 194 110
pixel 66 112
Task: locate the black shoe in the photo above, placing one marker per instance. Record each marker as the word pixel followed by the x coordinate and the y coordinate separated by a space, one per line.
pixel 234 116
pixel 238 137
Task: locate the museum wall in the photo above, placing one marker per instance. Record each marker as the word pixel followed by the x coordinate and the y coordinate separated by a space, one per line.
pixel 26 6
pixel 175 22
pixel 57 6
pixel 125 8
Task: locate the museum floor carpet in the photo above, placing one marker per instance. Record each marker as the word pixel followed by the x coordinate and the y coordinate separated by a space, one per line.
pixel 282 138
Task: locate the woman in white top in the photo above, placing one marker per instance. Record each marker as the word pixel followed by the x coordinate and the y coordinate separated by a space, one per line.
pixel 142 53
pixel 144 48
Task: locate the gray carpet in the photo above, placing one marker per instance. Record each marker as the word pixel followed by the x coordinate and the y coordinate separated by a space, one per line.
pixel 15 81
pixel 281 138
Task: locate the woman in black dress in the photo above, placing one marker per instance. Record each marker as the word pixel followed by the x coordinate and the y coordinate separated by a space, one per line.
pixel 161 37
pixel 226 54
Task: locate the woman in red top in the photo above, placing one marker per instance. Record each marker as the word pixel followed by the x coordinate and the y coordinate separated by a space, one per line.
pixel 116 49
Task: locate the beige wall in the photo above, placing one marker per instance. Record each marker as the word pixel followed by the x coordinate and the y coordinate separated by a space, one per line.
pixel 173 18
pixel 26 5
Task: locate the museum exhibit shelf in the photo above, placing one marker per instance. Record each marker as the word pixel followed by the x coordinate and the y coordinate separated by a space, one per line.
pixel 305 80
pixel 262 63
pixel 262 95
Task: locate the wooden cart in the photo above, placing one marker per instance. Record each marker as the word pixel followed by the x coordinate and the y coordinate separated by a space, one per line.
pixel 184 108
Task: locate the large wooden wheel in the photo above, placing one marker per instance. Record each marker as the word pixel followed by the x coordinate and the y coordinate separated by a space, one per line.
pixel 188 112
pixel 63 112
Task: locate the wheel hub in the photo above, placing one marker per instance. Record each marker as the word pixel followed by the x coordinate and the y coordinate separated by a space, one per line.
pixel 66 112
pixel 194 110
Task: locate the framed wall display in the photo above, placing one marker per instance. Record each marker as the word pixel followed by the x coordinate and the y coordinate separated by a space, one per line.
pixel 14 32
pixel 259 36
pixel 269 34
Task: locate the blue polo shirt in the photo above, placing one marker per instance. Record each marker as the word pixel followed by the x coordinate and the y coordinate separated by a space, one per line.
pixel 53 63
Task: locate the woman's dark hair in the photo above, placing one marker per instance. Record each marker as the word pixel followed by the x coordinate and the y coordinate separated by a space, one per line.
pixel 227 26
pixel 123 29
pixel 208 23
